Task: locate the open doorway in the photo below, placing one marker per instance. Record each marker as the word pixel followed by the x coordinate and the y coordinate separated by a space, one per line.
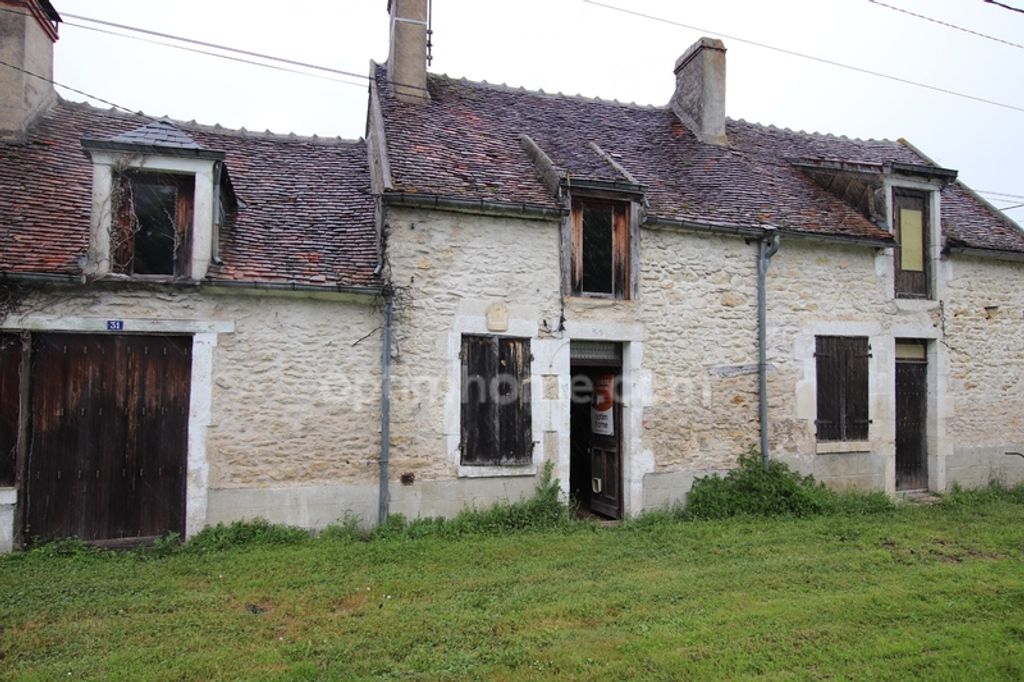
pixel 595 465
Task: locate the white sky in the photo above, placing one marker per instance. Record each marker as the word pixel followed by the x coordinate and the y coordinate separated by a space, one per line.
pixel 575 47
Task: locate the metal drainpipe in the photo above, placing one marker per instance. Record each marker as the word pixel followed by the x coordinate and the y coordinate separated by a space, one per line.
pixel 767 246
pixel 385 413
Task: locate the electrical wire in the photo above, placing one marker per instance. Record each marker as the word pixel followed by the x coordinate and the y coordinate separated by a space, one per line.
pixel 224 56
pixel 802 55
pixel 226 48
pixel 947 24
pixel 1000 194
pixel 1005 6
pixel 77 91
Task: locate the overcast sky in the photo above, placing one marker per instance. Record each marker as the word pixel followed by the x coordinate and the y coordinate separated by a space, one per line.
pixel 576 47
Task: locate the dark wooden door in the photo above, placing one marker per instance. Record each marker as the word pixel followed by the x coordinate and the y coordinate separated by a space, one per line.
pixel 605 428
pixel 108 444
pixel 911 421
pixel 10 397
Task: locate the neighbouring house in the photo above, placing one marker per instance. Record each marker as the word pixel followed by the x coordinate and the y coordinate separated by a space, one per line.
pixel 202 325
pixel 188 316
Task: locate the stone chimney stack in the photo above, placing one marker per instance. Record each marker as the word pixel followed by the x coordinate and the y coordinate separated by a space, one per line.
pixel 699 99
pixel 407 57
pixel 28 30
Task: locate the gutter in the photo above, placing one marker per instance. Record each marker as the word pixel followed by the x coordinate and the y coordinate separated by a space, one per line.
pixel 654 222
pixel 767 247
pixel 478 206
pixel 995 254
pixel 384 497
pixel 290 286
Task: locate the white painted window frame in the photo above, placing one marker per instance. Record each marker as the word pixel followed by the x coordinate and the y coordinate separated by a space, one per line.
pixel 886 263
pixel 103 164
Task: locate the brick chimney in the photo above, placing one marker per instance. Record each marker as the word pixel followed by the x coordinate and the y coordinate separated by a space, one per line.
pixel 699 99
pixel 407 57
pixel 28 30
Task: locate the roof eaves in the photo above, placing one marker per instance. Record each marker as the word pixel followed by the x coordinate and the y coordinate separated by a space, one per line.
pixel 150 150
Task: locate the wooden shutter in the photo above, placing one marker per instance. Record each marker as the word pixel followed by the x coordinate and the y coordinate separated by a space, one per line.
pixel 911 226
pixel 496 426
pixel 842 377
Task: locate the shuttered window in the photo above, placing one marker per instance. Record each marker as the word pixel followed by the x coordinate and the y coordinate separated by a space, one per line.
pixel 842 364
pixel 496 425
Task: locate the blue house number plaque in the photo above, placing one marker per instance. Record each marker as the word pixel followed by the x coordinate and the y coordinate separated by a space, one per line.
pixel 115 325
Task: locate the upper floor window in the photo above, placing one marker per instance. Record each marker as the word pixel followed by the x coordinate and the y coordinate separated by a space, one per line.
pixel 152 223
pixel 600 249
pixel 911 228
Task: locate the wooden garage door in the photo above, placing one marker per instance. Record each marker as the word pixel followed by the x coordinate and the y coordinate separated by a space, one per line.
pixel 109 432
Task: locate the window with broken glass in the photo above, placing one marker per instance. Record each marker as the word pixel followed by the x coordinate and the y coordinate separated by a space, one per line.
pixel 152 223
pixel 600 249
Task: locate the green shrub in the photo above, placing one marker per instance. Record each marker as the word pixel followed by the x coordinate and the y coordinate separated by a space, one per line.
pixel 996 491
pixel 242 533
pixel 753 490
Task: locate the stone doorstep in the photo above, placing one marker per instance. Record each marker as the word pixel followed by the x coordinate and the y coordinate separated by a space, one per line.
pixel 917 496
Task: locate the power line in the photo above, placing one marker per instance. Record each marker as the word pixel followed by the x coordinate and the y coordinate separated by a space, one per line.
pixel 221 56
pixel 76 90
pixel 802 55
pixel 1010 208
pixel 192 41
pixel 226 48
pixel 1005 6
pixel 1000 194
pixel 947 24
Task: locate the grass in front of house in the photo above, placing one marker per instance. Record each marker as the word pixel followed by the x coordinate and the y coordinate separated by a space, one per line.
pixel 936 592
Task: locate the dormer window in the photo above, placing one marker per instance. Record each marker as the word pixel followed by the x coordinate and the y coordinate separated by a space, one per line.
pixel 601 248
pixel 152 223
pixel 158 198
pixel 911 228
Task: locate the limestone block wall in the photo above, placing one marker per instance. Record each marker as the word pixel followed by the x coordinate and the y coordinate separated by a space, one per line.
pixel 293 395
pixel 984 325
pixel 690 344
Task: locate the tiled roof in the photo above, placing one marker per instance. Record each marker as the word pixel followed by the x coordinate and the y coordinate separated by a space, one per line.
pixel 306 214
pixel 465 143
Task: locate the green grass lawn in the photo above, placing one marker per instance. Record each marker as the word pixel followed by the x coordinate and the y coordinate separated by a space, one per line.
pixel 936 592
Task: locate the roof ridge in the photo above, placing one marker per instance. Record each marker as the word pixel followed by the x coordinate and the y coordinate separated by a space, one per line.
pixel 815 133
pixel 216 128
pixel 540 92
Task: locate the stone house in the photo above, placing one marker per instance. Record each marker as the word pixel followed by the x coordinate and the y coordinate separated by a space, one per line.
pixel 201 325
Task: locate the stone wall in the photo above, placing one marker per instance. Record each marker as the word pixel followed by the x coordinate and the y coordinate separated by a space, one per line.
pixel 694 323
pixel 984 320
pixel 294 394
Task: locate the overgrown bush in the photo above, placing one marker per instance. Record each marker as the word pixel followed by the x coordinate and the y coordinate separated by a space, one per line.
pixel 241 533
pixel 753 490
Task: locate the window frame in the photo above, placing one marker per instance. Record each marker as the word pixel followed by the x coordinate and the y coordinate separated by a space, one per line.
pixel 511 443
pixel 842 375
pixel 623 262
pixel 123 215
pixel 912 284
